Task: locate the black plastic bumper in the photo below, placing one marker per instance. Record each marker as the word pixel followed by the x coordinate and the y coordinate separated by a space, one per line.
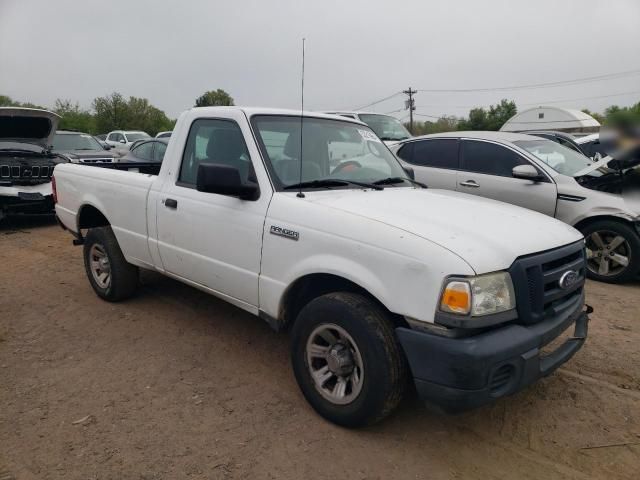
pixel 457 374
pixel 26 203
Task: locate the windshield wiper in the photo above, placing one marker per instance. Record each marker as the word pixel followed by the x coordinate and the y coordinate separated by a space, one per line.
pixel 392 180
pixel 331 182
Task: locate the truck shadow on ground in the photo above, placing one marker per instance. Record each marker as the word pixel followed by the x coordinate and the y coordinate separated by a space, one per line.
pixel 25 223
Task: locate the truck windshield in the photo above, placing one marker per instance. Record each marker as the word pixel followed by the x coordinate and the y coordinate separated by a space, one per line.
pixel 66 142
pixel 133 136
pixel 386 127
pixel 558 157
pixel 331 150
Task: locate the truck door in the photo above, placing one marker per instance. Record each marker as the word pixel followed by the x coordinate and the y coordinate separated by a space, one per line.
pixel 211 239
pixel 486 170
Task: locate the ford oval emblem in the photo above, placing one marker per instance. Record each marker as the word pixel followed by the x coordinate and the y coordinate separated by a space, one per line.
pixel 568 279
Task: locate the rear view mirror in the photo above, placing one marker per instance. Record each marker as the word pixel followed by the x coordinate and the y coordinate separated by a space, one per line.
pixel 224 180
pixel 526 172
pixel 410 172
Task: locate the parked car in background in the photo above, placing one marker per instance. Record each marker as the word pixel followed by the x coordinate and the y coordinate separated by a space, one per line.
pixel 591 146
pixel 80 147
pixel 147 151
pixel 26 160
pixel 562 138
pixel 377 278
pixel 122 139
pixel 387 128
pixel 545 176
pixel 163 134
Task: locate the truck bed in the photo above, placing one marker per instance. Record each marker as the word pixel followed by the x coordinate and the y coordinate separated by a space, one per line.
pixel 119 191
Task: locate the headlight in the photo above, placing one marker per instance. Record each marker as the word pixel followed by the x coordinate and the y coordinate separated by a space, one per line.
pixel 481 295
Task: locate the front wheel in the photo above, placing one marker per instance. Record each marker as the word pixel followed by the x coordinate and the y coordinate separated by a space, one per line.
pixel 613 251
pixel 110 275
pixel 347 360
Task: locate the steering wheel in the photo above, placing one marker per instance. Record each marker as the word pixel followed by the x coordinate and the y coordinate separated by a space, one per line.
pixel 349 166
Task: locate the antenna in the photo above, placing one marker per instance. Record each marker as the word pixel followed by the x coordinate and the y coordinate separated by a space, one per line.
pixel 300 194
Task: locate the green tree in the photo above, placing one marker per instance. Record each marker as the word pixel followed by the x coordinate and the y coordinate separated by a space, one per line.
pixel 111 112
pixel 598 116
pixel 74 118
pixel 6 101
pixel 492 119
pixel 214 98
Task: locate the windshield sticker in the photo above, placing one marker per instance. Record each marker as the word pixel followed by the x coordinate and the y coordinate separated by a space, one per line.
pixel 367 135
pixel 85 136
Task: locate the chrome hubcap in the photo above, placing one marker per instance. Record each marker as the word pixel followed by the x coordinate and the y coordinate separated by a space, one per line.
pixel 608 253
pixel 99 265
pixel 335 364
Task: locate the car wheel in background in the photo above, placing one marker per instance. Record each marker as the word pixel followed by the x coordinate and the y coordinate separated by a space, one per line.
pixel 613 251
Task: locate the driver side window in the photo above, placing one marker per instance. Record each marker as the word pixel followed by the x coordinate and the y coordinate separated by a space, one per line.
pixel 214 141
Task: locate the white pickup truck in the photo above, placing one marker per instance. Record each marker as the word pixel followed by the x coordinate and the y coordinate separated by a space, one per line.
pixel 377 278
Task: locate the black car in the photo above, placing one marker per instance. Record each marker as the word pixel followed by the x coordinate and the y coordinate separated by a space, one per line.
pixel 147 151
pixel 26 161
pixel 80 147
pixel 559 137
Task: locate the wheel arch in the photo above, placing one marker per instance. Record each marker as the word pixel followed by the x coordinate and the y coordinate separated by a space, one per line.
pixel 597 218
pixel 90 216
pixel 304 289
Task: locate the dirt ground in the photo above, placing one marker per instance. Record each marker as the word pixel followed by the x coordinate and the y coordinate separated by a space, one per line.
pixel 175 384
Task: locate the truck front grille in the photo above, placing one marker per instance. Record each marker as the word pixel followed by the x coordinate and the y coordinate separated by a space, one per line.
pixel 536 279
pixel 17 172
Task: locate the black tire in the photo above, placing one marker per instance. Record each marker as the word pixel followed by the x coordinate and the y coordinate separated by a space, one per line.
pixel 384 377
pixel 123 280
pixel 607 229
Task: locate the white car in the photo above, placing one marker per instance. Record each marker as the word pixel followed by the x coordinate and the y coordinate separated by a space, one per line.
pixel 600 199
pixel 121 140
pixel 376 278
pixel 389 129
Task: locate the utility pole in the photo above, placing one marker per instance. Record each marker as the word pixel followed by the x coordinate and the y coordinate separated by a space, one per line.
pixel 410 105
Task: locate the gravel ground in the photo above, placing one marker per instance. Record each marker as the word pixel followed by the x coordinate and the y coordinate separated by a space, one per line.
pixel 175 384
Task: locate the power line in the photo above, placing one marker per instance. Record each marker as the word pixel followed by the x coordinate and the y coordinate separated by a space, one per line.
pixel 609 76
pixel 377 101
pixel 543 102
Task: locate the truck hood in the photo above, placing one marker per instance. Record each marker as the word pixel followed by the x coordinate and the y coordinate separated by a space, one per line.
pixel 27 125
pixel 487 234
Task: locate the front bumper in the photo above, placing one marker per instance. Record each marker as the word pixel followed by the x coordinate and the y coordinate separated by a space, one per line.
pixel 457 374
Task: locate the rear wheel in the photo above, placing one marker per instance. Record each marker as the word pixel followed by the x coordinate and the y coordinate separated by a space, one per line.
pixel 347 360
pixel 613 251
pixel 110 275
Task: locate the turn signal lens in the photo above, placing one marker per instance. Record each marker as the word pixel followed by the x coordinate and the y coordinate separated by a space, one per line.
pixel 456 298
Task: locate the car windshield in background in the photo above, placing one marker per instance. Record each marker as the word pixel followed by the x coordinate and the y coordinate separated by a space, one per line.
pixel 331 151
pixel 386 127
pixel 558 157
pixel 132 137
pixel 75 141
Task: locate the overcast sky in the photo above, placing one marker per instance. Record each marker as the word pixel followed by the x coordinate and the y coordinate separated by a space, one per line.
pixel 357 51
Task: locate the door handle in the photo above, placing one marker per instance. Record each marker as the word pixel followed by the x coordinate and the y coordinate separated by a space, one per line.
pixel 170 203
pixel 470 183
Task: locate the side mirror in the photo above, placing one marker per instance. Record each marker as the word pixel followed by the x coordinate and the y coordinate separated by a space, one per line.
pixel 123 141
pixel 410 172
pixel 526 172
pixel 224 180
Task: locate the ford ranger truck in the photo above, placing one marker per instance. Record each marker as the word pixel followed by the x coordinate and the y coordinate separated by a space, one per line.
pixel 26 161
pixel 377 279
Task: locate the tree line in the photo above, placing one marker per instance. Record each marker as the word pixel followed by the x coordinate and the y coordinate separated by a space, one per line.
pixel 115 112
pixel 494 117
